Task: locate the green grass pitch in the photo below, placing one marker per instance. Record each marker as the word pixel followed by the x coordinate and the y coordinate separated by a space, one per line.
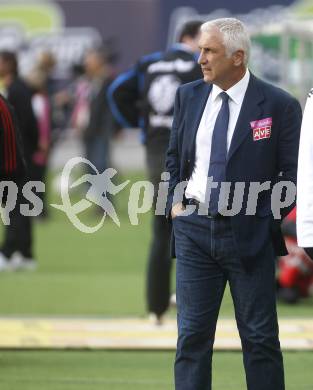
pixel 102 275
pixel 87 370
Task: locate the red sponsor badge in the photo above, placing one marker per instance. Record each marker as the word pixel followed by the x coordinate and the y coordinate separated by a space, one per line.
pixel 261 128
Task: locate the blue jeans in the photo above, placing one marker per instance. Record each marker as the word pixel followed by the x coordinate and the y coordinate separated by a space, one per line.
pixel 206 260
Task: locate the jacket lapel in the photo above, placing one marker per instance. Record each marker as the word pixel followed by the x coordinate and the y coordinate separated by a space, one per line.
pixel 250 110
pixel 197 102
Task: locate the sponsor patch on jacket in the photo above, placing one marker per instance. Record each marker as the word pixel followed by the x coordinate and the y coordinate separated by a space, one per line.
pixel 261 128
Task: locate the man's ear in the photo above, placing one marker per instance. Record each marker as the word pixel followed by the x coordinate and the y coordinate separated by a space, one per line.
pixel 238 57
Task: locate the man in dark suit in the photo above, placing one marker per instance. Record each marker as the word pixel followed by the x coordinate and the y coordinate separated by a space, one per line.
pixel 232 128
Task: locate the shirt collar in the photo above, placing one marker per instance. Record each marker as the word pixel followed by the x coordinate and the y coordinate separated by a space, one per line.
pixel 236 92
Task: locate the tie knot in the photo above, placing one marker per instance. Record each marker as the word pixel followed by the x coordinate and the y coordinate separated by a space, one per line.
pixel 224 96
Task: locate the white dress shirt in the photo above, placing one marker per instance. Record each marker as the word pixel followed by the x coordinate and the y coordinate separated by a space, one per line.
pixel 196 187
pixel 305 179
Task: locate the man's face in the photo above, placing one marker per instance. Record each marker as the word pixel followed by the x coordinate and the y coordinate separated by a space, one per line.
pixel 92 64
pixel 216 66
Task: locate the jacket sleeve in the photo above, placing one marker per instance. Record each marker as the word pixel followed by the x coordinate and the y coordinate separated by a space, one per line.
pixel 20 98
pixel 12 162
pixel 123 96
pixel 172 157
pixel 288 147
pixel 305 179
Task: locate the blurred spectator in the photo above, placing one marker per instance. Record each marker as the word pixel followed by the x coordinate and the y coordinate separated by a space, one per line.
pixel 45 66
pixel 66 99
pixel 81 110
pixel 17 248
pixel 294 271
pixel 99 121
pixel 37 80
pixel 12 162
pixel 144 96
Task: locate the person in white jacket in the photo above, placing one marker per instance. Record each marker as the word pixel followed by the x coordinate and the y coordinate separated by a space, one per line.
pixel 305 180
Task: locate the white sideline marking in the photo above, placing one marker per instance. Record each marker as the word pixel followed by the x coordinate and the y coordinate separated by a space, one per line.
pixel 131 333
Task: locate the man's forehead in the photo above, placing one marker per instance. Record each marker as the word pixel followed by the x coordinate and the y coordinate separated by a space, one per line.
pixel 210 36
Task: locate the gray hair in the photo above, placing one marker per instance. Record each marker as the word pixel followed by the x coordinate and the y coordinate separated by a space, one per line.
pixel 235 35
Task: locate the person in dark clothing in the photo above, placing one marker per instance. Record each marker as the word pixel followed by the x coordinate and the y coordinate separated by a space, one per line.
pixel 41 103
pixel 98 130
pixel 144 97
pixel 99 127
pixel 16 251
pixel 12 162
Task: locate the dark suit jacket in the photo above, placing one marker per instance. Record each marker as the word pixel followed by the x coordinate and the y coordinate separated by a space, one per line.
pixel 270 159
pixel 20 97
